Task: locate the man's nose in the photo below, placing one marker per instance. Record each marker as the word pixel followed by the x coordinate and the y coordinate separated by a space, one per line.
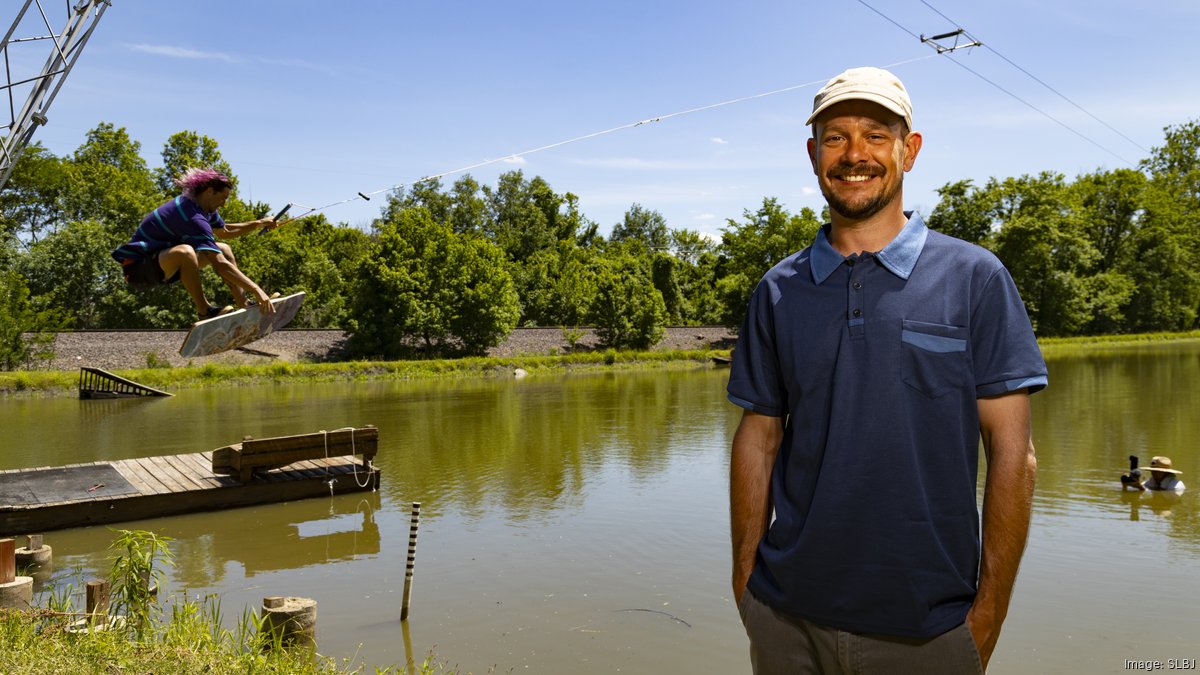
pixel 856 151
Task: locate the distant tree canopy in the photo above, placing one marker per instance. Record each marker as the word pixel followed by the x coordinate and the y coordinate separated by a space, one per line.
pixel 452 271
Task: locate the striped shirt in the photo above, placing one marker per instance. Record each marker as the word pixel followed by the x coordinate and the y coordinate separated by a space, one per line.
pixel 179 221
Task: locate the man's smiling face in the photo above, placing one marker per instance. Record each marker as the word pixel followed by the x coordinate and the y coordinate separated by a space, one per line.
pixel 860 151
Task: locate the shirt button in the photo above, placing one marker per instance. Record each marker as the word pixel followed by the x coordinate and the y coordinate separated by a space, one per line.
pixel 857 312
pixel 858 285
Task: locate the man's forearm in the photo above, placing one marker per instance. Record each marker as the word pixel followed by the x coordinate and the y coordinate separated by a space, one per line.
pixel 232 275
pixel 235 230
pixel 1007 509
pixel 754 448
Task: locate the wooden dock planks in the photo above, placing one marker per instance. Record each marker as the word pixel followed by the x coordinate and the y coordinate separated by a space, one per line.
pixel 176 484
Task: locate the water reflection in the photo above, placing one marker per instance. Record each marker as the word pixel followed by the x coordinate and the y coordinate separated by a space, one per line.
pixel 530 448
pixel 252 541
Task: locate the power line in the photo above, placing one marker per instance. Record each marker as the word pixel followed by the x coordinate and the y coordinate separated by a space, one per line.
pixel 1039 81
pixel 976 74
pixel 584 137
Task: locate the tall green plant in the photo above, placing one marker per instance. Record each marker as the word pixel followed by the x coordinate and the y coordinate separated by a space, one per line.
pixel 134 577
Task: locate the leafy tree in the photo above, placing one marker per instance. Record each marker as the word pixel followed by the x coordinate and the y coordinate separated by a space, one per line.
pixel 1169 297
pixel 962 212
pixel 753 246
pixel 31 202
pixel 1178 158
pixel 665 271
pixel 184 150
pixel 689 245
pixel 310 255
pixel 71 270
pixel 698 283
pixel 627 311
pixel 426 194
pixel 1044 254
pixel 26 331
pixel 527 216
pixel 560 286
pixel 108 181
pixel 1110 205
pixel 644 225
pixel 422 286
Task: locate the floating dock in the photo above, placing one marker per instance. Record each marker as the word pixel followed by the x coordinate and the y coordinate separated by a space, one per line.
pixel 52 498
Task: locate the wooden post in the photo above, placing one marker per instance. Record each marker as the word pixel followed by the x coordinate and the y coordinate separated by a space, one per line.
pixel 8 561
pixel 37 559
pixel 97 598
pixel 412 554
pixel 15 592
pixel 290 621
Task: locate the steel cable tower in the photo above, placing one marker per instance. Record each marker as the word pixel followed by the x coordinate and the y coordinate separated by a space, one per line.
pixel 65 47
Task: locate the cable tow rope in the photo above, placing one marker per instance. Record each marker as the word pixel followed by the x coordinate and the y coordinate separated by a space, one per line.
pixel 595 134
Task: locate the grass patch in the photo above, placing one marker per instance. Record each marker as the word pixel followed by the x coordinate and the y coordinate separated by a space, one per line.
pixel 62 383
pixel 1104 345
pixel 61 638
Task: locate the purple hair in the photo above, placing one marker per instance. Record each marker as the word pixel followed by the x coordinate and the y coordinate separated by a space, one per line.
pixel 194 181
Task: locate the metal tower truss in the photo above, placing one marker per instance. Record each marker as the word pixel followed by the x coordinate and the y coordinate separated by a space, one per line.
pixel 33 29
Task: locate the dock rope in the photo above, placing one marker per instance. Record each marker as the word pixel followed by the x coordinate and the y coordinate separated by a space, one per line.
pixel 353 451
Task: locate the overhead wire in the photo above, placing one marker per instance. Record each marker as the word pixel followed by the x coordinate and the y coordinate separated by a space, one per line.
pixel 1006 91
pixel 1035 78
pixel 650 120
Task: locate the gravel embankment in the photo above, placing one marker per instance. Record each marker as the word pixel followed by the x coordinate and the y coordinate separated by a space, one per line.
pixel 137 349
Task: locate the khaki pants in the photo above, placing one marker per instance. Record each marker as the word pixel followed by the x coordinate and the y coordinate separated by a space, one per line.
pixel 784 645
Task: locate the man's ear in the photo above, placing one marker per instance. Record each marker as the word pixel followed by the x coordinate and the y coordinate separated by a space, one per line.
pixel 912 147
pixel 812 153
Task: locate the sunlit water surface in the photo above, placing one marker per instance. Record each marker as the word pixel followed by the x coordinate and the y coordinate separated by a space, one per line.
pixel 578 523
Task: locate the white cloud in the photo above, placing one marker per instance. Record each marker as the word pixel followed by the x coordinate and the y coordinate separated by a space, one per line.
pixel 719 141
pixel 706 216
pixel 182 52
pixel 808 191
pixel 515 160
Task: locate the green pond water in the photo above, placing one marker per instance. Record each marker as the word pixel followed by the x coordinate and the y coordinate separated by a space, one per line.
pixel 578 523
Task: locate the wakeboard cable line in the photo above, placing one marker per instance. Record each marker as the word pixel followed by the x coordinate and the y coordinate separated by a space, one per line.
pixel 650 120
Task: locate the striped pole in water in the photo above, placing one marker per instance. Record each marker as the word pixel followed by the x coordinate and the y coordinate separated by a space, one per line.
pixel 412 555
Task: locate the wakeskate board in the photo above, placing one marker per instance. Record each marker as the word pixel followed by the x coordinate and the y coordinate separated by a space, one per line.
pixel 238 328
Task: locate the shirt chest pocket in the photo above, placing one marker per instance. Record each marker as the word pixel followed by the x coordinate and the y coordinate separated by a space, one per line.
pixel 934 358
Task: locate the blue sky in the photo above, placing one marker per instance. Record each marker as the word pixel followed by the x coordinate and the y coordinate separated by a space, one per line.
pixel 312 102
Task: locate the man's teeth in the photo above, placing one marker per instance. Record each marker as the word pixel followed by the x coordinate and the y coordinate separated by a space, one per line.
pixel 856 179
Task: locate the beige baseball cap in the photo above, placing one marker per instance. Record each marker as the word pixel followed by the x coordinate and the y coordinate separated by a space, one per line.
pixel 869 84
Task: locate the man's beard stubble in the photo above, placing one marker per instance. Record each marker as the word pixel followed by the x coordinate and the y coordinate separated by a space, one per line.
pixel 865 209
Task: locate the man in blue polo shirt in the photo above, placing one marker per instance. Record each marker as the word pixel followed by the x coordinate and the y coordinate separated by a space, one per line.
pixel 176 240
pixel 869 366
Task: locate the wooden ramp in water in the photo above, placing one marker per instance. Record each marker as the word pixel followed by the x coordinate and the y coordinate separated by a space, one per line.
pixel 51 498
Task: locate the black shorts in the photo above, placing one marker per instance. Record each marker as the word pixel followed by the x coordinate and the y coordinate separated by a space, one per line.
pixel 146 273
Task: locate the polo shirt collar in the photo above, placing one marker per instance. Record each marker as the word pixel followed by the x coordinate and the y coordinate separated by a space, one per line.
pixel 899 256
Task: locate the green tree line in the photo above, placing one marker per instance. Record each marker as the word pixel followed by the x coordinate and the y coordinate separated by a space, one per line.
pixel 448 270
